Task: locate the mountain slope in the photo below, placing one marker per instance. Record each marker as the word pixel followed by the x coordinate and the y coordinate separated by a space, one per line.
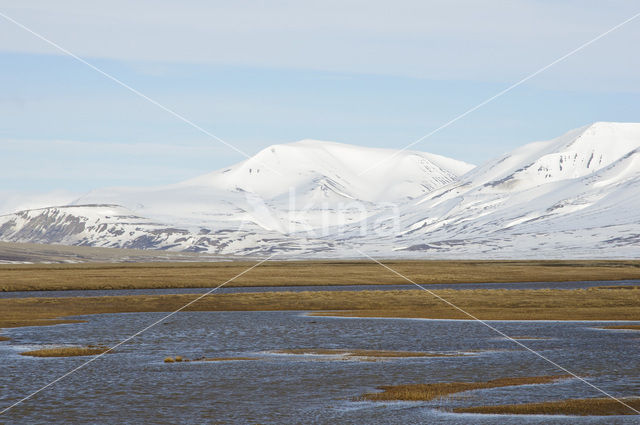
pixel 113 226
pixel 292 187
pixel 252 207
pixel 578 193
pixel 576 196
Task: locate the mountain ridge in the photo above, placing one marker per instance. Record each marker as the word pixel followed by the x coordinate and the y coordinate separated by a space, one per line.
pixel 575 196
pixel 290 180
pixel 500 199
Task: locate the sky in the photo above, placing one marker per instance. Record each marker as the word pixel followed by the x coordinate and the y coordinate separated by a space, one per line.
pixel 371 73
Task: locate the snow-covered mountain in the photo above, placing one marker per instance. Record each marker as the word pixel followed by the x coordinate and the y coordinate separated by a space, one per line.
pixel 292 187
pixel 253 207
pixel 576 196
pixel 113 226
pixel 329 171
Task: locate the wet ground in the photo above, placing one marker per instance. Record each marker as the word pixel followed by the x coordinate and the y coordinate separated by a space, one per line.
pixel 134 385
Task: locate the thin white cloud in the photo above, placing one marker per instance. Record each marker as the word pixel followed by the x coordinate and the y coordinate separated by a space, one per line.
pixel 493 40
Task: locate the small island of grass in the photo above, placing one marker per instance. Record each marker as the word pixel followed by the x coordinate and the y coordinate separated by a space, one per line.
pixel 425 392
pixel 573 407
pixel 66 351
pixel 361 354
pixel 178 359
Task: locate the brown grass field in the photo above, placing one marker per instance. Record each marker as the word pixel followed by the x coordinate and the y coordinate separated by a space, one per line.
pixel 28 277
pixel 617 287
pixel 574 407
pixel 547 304
pixel 425 392
pixel 65 351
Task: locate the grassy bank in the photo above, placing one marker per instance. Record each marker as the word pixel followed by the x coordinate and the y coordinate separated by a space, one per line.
pixel 574 407
pixel 624 327
pixel 425 392
pixel 28 277
pixel 580 304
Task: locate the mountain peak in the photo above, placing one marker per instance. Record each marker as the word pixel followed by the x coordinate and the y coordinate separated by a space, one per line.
pixel 313 178
pixel 613 124
pixel 575 154
pixel 614 132
pixel 577 194
pixel 609 139
pixel 280 168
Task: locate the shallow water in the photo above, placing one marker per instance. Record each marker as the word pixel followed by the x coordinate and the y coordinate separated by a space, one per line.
pixel 233 290
pixel 134 385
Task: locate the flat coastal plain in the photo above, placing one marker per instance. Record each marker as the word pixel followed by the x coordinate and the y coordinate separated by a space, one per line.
pixel 144 275
pixel 616 297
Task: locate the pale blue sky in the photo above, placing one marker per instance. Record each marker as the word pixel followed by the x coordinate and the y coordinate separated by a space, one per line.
pixel 257 73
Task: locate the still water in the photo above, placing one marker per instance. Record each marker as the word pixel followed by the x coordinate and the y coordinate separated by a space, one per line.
pixel 134 385
pixel 232 290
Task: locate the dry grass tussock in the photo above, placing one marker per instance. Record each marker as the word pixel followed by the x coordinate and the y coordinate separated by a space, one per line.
pixel 66 351
pixel 425 392
pixel 25 277
pixel 176 359
pixel 579 304
pixel 573 407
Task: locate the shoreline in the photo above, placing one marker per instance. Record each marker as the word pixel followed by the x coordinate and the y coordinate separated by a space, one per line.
pixel 427 319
